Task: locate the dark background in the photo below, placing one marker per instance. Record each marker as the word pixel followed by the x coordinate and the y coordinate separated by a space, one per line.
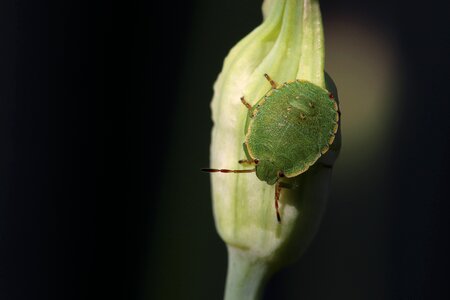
pixel 105 122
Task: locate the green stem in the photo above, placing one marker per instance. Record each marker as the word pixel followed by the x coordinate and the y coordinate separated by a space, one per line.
pixel 246 275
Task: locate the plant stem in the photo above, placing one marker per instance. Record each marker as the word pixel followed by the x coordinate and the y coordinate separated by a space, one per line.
pixel 246 275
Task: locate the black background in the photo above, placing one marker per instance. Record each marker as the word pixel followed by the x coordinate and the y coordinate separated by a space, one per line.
pixel 94 136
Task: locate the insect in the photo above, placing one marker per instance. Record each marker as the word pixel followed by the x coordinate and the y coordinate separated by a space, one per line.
pixel 286 132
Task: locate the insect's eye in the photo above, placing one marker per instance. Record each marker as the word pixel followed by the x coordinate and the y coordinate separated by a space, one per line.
pixel 256 161
pixel 280 174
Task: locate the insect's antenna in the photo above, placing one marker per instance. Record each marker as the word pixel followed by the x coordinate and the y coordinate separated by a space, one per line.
pixel 277 198
pixel 228 171
pixel 272 83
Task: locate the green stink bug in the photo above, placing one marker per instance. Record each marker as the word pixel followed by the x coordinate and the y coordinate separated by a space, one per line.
pixel 287 131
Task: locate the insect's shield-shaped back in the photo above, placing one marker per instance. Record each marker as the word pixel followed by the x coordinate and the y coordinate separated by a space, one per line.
pixel 288 45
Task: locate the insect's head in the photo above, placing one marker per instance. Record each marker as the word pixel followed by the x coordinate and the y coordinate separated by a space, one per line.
pixel 268 172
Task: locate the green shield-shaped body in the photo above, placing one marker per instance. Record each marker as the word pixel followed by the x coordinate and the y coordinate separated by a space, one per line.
pixel 289 129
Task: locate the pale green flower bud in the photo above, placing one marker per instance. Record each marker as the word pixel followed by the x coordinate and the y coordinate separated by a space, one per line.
pixel 287 45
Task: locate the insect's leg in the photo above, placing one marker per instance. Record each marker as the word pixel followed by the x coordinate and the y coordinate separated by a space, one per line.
pixel 277 198
pixel 246 103
pixel 228 171
pixel 248 161
pixel 272 83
